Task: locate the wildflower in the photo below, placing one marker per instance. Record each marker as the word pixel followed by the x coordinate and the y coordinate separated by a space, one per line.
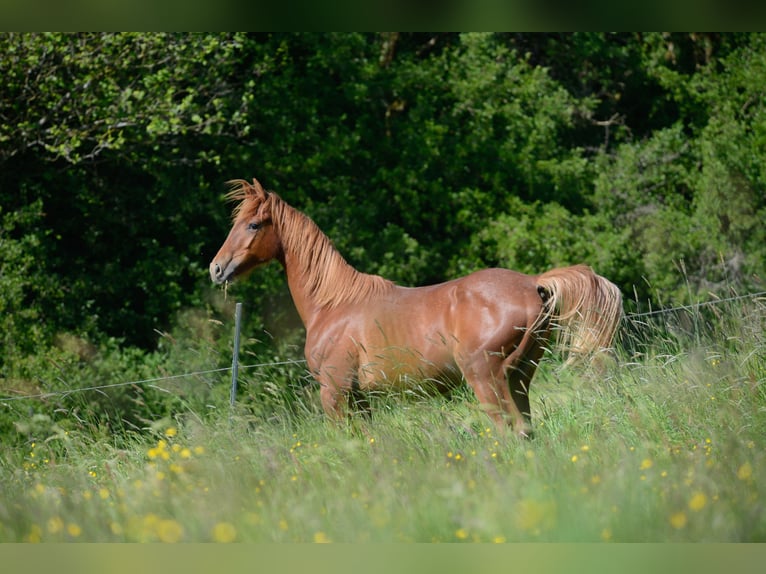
pixel 321 538
pixel 103 493
pixel 585 448
pixel 533 515
pixel 170 432
pixel 606 534
pixel 224 532
pixel 498 539
pixel 185 453
pixel 35 534
pixel 745 472
pixel 169 531
pixel 55 525
pixel 461 534
pixel 73 529
pixel 283 524
pixel 678 520
pixel 698 501
pixel 646 464
pixel 574 458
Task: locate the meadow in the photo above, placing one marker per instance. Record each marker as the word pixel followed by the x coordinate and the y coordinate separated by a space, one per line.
pixel 664 443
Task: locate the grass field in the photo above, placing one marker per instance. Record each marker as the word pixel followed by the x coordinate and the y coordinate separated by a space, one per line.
pixel 665 444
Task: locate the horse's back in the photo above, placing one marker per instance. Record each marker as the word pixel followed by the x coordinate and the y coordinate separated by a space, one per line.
pixel 422 331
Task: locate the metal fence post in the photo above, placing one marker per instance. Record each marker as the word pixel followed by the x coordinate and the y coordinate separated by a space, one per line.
pixel 235 354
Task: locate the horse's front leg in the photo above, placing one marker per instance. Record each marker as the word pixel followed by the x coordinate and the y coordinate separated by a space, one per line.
pixel 337 387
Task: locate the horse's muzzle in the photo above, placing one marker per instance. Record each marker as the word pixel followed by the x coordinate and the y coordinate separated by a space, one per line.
pixel 217 273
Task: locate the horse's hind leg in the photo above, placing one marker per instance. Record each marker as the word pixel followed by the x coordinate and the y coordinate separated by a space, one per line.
pixel 487 377
pixel 520 367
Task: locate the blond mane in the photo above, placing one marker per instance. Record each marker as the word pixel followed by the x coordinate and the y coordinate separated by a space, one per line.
pixel 327 277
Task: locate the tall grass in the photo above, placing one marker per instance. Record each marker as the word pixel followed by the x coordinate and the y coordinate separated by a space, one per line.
pixel 664 444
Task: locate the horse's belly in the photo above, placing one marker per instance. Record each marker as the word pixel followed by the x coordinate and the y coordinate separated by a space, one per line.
pixel 405 368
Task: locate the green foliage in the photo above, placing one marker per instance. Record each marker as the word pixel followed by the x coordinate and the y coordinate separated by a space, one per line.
pixel 423 156
pixel 663 447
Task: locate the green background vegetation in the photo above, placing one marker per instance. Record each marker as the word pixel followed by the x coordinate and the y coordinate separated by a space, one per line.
pixel 424 157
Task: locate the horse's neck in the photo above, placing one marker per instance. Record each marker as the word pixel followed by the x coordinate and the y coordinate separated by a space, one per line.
pixel 316 271
pixel 318 276
pixel 304 302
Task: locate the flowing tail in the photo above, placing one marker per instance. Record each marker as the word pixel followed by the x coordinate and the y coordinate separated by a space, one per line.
pixel 585 306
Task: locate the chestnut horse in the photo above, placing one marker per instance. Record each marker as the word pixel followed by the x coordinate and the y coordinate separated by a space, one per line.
pixel 363 332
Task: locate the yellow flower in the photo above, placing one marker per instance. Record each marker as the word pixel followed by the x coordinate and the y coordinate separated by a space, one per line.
pixel 321 538
pixel 461 534
pixel 103 493
pixel 171 432
pixel 498 539
pixel 35 534
pixel 73 529
pixel 534 516
pixel 646 464
pixel 169 531
pixel 606 534
pixel 745 472
pixel 574 458
pixel 698 501
pixel 678 520
pixel 55 525
pixel 224 532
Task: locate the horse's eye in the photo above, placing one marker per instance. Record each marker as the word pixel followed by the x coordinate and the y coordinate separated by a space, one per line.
pixel 253 226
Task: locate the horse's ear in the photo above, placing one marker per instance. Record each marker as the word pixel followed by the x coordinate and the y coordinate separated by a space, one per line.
pixel 258 191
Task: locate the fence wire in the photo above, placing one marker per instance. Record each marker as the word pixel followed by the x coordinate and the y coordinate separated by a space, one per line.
pixel 300 361
pixel 145 381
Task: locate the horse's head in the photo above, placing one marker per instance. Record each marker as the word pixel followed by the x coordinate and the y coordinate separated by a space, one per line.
pixel 252 239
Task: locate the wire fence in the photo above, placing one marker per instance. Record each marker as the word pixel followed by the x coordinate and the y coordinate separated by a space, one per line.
pixel 696 305
pixel 236 365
